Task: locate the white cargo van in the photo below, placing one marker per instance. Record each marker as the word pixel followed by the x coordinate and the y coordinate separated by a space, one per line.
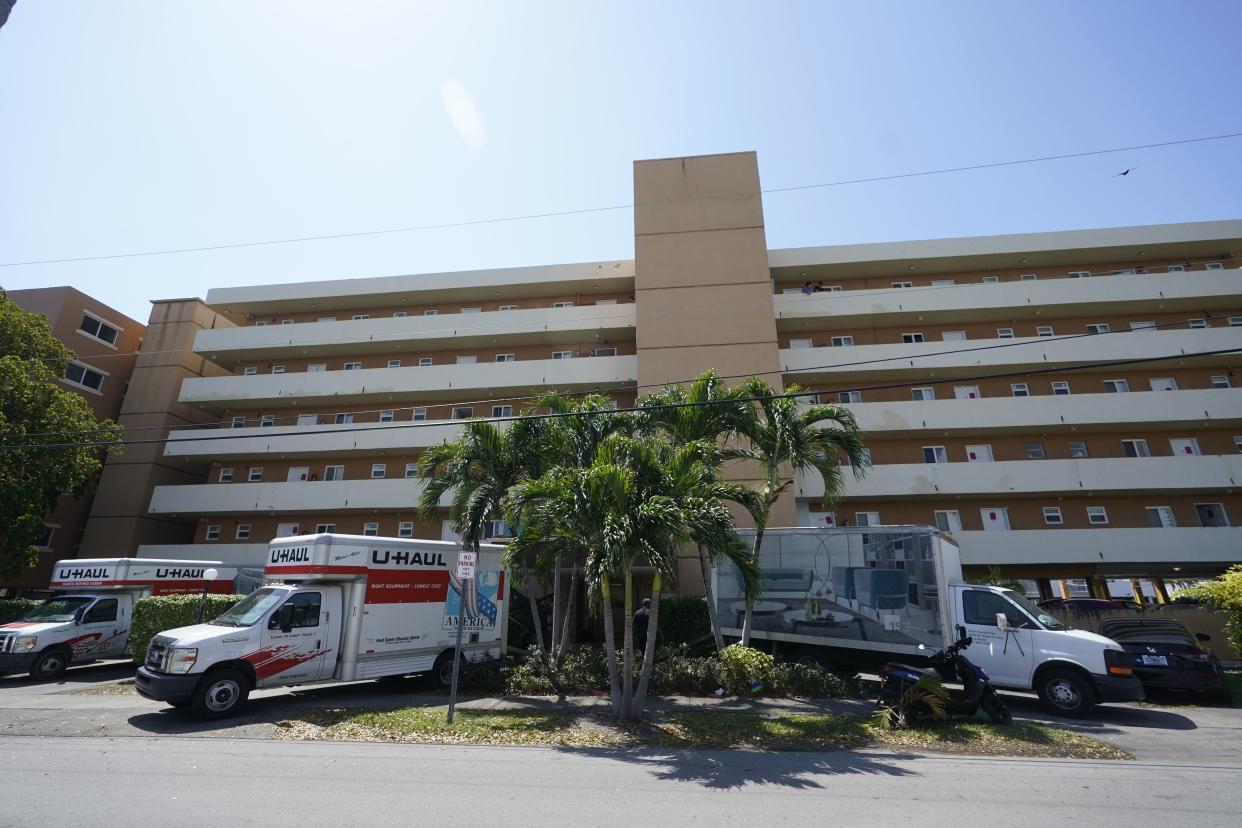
pixel 337 608
pixel 856 597
pixel 89 617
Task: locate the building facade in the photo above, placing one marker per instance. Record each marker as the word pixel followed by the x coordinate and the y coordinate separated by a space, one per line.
pixel 1061 403
pixel 104 342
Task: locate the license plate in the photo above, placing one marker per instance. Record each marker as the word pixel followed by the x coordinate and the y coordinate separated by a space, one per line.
pixel 1155 661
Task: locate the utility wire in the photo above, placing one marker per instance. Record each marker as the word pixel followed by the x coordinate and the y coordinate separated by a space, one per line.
pixel 584 210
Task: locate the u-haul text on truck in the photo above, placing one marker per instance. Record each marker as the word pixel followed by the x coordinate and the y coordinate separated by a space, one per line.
pixel 89 617
pixel 338 608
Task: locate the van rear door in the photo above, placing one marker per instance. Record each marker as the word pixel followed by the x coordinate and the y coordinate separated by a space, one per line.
pixel 300 637
pixel 1006 656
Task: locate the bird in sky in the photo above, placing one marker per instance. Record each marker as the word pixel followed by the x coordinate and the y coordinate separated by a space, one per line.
pixel 1126 171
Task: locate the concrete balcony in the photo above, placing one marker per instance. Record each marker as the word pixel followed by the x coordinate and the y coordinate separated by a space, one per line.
pixel 929 359
pixel 288 498
pixel 240 554
pixel 1195 292
pixel 351 439
pixel 1007 478
pixel 1079 412
pixel 387 335
pixel 428 384
pixel 1102 547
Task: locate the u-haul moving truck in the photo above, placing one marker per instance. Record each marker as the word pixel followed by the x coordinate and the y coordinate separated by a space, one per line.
pixel 89 617
pixel 338 608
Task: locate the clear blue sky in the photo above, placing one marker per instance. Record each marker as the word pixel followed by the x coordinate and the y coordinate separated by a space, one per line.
pixel 144 124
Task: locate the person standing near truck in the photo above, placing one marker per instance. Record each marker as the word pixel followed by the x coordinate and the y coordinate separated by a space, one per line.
pixel 641 617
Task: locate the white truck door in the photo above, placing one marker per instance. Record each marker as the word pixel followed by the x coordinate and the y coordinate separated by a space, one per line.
pixel 103 631
pixel 300 636
pixel 1005 655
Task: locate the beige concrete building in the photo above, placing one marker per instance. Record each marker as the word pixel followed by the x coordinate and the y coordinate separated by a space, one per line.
pixel 1062 403
pixel 104 342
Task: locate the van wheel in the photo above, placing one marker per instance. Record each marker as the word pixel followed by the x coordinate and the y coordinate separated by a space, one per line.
pixel 442 672
pixel 50 665
pixel 1066 693
pixel 220 693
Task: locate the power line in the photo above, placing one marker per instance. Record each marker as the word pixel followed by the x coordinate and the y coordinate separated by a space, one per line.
pixel 584 210
pixel 632 409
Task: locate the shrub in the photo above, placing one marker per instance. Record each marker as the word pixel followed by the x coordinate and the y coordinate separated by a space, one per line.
pixel 1224 594
pixel 683 620
pixel 156 613
pixel 12 609
pixel 744 671
pixel 483 678
pixel 806 681
pixel 583 669
pixel 677 673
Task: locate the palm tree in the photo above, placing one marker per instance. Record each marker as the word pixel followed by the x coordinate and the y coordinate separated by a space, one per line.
pixel 781 433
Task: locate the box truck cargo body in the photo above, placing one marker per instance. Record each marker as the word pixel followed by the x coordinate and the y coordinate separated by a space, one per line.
pixel 336 608
pixel 89 617
pixel 859 596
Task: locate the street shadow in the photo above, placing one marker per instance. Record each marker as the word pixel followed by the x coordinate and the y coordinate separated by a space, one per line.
pixel 75 677
pixel 1104 719
pixel 735 769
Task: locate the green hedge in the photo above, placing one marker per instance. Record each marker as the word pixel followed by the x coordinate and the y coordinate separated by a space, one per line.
pixel 156 613
pixel 683 620
pixel 12 609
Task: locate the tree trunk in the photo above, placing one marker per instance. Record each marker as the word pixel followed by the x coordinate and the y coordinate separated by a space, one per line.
pixel 610 647
pixel 556 602
pixel 653 625
pixel 534 610
pixel 627 672
pixel 750 604
pixel 565 623
pixel 711 599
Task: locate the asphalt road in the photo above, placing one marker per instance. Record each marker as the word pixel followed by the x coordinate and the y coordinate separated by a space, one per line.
pixel 194 781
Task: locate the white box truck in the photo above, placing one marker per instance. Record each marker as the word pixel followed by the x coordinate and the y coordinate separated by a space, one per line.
pixel 337 608
pixel 859 596
pixel 88 619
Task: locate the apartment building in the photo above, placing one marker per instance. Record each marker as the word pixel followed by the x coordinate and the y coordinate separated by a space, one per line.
pixel 104 342
pixel 1062 403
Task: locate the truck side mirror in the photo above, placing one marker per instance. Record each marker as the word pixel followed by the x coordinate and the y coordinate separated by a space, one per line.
pixel 961 632
pixel 1002 620
pixel 283 619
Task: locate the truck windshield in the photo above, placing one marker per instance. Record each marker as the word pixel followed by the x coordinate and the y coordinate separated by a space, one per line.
pixel 62 608
pixel 248 611
pixel 1045 620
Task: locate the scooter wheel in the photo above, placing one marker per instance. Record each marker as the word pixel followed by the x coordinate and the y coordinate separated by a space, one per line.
pixel 997 710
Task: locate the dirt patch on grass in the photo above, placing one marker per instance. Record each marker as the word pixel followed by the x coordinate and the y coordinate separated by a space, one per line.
pixel 124 687
pixel 983 739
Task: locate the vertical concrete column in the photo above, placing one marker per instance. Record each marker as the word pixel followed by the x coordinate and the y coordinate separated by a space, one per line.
pixel 1063 586
pixel 1045 588
pixel 1162 595
pixel 1137 589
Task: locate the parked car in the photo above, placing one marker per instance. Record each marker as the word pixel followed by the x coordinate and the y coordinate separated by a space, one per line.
pixel 1089 604
pixel 1166 654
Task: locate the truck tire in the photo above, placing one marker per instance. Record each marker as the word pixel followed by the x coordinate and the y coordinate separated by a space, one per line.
pixel 1066 693
pixel 220 693
pixel 50 664
pixel 441 676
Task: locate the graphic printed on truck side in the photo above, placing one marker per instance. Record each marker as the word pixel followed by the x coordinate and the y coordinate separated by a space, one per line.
pixel 278 659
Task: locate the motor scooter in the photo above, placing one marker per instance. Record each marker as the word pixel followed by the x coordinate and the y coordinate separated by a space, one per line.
pixel 950 665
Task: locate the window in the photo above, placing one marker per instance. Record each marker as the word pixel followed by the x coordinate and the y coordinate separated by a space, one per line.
pixel 604 352
pixel 979 453
pixel 96 328
pixel 1184 446
pixel 832 289
pixel 353 366
pixel 1176 268
pixel 1098 328
pixel 463 412
pixel 903 284
pixel 1028 277
pixel 324 528
pixel 1142 326
pixel 470 310
pixel 1197 323
pixel 45 540
pixel 506 357
pixel 850 396
pixel 316 368
pixel 226 475
pixel 411 471
pixel 278 369
pixel 249 371
pixel 966 392
pixel 1135 448
pixel 942 282
pixel 1220 381
pixel 267 420
pixel 991 280
pixel 378 470
pixel 1213 266
pixel 948 520
pixel 1125 271
pixel 1061 389
pixel 981 607
pixel 394 363
pixel 255 474
pixel 419 413
pixel 213 532
pixel 343 419
pixel 243 532
pixel 371 529
pixel 1160 517
pixel 923 393
pixel 1116 386
pixel 423 362
pixel 262 323
pixel 562 304
pixel 327 319
pixel 1043 330
pixel 1020 389
pixel 239 422
pixel 333 473
pixel 305 611
pixel 1079 274
pixel 867 518
pixel 1235 321
pixel 1163 384
pixel 103 611
pixel 953 336
pixel 405 529
pixel 399 314
pixel 1211 514
pixel 866 456
pixel 1035 451
pixel 1004 333
pixel 385 417
pixel 1097 515
pixel 508 307
pixel 286 321
pixel 1077 449
pixel 910 338
pixel 1052 516
pixel 842 341
pixel 801 343
pixel 935 454
pixel 1237 443
pixel 562 354
pixel 359 316
pixel 431 312
pixel 502 411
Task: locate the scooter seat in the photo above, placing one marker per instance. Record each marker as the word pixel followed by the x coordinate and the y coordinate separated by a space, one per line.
pixel 918 670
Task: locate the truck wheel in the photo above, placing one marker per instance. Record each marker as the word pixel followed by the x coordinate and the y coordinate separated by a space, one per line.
pixel 50 665
pixel 1066 693
pixel 442 672
pixel 220 693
